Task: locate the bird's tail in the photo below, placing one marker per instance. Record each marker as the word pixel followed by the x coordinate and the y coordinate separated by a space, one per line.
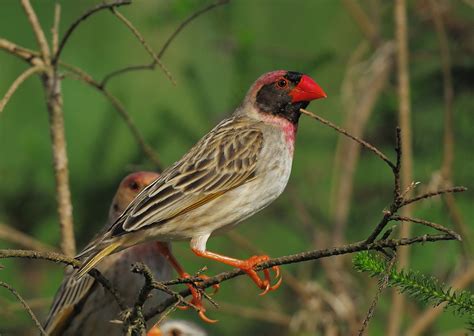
pixel 92 260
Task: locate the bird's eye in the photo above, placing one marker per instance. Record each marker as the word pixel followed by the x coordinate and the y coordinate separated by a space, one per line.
pixel 134 186
pixel 282 83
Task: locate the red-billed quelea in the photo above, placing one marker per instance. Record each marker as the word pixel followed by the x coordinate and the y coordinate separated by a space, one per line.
pixel 235 170
pixel 84 307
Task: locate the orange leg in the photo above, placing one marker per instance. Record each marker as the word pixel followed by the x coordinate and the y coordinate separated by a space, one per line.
pixel 197 297
pixel 247 266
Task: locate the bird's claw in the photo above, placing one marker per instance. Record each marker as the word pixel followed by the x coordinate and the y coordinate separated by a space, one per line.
pixel 215 287
pixel 197 299
pixel 265 284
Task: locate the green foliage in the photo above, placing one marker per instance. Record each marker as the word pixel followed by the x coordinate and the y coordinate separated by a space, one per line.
pixel 422 287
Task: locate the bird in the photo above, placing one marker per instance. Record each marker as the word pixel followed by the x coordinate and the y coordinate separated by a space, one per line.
pixel 241 166
pixel 84 307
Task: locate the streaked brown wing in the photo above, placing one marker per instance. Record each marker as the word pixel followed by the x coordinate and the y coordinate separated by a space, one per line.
pixel 223 160
pixel 71 293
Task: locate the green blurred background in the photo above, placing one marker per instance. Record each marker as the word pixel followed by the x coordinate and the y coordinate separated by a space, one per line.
pixel 214 60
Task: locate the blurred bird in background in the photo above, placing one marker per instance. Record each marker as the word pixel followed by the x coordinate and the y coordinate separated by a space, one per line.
pixel 237 169
pixel 84 307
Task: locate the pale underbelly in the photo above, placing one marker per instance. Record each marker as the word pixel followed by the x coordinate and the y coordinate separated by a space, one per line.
pixel 226 211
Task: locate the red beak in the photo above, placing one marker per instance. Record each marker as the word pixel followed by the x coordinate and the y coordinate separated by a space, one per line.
pixel 306 90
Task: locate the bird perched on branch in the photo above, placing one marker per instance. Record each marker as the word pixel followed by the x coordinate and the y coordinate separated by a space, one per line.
pixel 84 307
pixel 235 170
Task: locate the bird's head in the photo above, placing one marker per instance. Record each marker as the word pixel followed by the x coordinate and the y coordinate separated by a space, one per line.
pixel 128 189
pixel 282 93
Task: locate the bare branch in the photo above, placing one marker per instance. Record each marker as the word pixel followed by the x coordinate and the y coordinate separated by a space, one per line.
pixel 304 256
pixel 152 65
pixel 10 234
pixel 54 103
pixel 187 21
pixel 55 29
pixel 404 113
pixel 80 75
pixel 17 82
pixel 143 43
pixel 382 285
pixel 427 223
pixel 64 259
pixel 29 56
pixel 83 17
pixel 343 131
pixel 40 37
pixel 25 305
pixel 434 193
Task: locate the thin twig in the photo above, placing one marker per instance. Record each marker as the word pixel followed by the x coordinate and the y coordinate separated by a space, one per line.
pixel 29 56
pixel 64 259
pixel 434 193
pixel 382 285
pixel 39 33
pixel 15 236
pixel 55 28
pixel 83 17
pixel 25 305
pixel 17 82
pixel 82 76
pixel 145 45
pixel 343 131
pixel 427 223
pixel 403 79
pixel 152 65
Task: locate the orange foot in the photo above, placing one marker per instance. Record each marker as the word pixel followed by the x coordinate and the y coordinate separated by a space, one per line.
pixel 248 267
pixel 196 295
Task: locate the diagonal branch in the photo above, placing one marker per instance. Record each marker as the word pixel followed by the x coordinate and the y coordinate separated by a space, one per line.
pixel 82 76
pixel 25 305
pixel 17 82
pixel 145 45
pixel 39 33
pixel 343 131
pixel 83 17
pixel 152 65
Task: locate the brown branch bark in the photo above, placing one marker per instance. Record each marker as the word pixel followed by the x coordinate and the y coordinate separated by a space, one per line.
pixel 14 236
pixel 64 259
pixel 54 103
pixel 39 33
pixel 84 16
pixel 156 59
pixel 304 256
pixel 25 305
pixel 17 82
pixel 403 77
pixel 343 131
